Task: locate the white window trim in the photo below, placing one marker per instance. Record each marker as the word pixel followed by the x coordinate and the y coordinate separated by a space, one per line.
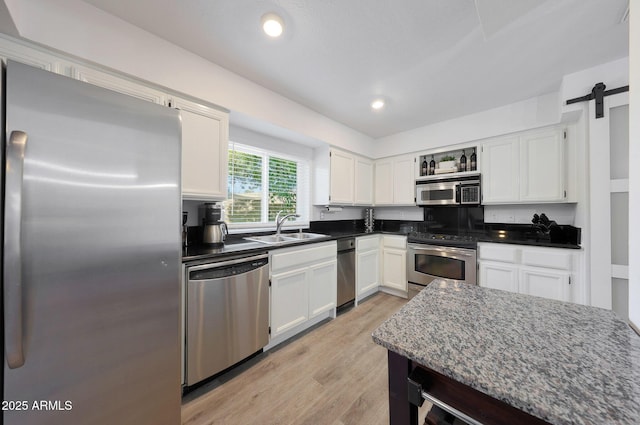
pixel 304 203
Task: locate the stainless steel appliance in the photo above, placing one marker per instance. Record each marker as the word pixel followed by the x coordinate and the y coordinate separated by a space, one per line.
pixel 91 254
pixel 346 271
pixel 448 190
pixel 227 314
pixel 214 228
pixel 448 257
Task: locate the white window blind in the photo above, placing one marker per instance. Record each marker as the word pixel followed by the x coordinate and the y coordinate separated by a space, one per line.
pixel 261 183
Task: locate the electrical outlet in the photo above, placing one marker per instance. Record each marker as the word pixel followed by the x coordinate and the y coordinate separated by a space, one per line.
pixel 321 215
pixel 510 218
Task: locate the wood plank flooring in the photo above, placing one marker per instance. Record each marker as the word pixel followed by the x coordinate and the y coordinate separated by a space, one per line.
pixel 334 374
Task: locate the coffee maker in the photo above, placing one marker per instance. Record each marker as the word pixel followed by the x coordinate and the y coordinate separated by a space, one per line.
pixel 214 228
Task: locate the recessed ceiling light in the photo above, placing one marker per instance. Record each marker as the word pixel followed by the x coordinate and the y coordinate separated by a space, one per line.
pixel 272 25
pixel 377 104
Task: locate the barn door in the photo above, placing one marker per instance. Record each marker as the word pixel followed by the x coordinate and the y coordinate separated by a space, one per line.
pixel 609 204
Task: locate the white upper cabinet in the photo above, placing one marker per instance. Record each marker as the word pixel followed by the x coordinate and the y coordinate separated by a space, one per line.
pixel 395 181
pixel 500 171
pixel 118 84
pixel 542 166
pixel 383 182
pixel 28 56
pixel 525 168
pixel 363 181
pixel 342 178
pixel 205 139
pixel 404 181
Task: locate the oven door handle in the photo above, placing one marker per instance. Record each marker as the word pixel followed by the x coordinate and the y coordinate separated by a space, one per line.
pixel 459 251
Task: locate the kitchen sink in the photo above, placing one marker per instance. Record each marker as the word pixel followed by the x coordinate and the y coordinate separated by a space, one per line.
pixel 285 237
pixel 303 235
pixel 269 239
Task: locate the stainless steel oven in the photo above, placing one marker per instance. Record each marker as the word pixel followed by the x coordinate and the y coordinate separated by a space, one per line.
pixel 426 263
pixel 448 191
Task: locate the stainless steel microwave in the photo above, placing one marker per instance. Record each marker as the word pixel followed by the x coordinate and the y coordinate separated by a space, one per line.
pixel 447 190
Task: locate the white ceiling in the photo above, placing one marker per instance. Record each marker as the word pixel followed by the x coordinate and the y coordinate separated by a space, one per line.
pixel 431 60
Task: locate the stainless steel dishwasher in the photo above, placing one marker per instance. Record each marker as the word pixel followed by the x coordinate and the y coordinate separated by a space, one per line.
pixel 227 314
pixel 346 271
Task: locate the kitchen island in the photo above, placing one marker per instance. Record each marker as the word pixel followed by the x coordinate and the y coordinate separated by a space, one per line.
pixel 500 357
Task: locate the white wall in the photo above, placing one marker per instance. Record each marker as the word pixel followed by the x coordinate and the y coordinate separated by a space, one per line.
pixel 634 159
pixel 78 28
pixel 541 111
pixel 532 113
pixel 263 141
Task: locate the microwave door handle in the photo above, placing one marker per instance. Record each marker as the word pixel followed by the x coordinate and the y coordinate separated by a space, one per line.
pixel 12 279
pixel 458 196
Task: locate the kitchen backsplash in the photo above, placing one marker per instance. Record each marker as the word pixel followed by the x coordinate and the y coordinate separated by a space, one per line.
pixel 521 214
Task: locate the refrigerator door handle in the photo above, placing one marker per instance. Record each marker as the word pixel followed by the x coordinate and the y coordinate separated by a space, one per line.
pixel 12 254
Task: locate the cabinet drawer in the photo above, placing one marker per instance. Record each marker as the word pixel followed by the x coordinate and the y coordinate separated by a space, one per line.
pixel 367 243
pixel 547 258
pixel 398 242
pixel 296 256
pixel 498 252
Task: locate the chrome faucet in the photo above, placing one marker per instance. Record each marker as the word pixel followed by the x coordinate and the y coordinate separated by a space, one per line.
pixel 280 221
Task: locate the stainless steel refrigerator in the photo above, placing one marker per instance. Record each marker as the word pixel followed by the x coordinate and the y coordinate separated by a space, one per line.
pixel 91 254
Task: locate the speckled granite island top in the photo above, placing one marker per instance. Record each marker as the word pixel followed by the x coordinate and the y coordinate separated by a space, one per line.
pixel 564 363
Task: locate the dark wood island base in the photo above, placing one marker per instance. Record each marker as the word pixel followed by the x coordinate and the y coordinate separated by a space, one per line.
pixel 408 379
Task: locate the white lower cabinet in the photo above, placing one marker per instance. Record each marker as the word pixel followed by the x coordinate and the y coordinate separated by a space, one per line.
pixel 322 287
pixel 289 300
pixel 499 276
pixel 394 265
pixel 553 273
pixel 303 288
pixel 545 283
pixel 395 273
pixel 367 266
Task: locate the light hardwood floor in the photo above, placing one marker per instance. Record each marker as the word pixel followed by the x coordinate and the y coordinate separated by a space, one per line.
pixel 335 374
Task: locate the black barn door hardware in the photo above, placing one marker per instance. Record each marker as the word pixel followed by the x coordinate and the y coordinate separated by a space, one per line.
pixel 598 93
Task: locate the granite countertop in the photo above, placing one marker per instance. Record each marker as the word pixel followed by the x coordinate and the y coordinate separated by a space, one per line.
pixel 239 245
pixel 564 363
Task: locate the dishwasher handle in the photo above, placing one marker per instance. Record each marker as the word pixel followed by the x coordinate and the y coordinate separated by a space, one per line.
pixel 223 269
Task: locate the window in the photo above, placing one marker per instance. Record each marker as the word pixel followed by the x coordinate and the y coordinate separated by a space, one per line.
pixel 261 183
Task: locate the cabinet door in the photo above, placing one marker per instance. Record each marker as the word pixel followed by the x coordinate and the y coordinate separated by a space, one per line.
pixel 322 287
pixel 545 283
pixel 383 185
pixel 500 174
pixel 289 300
pixel 542 166
pixel 205 135
pixel 28 56
pixel 363 181
pixel 394 273
pixel 499 276
pixel 367 271
pixel 119 85
pixel 341 177
pixel 403 181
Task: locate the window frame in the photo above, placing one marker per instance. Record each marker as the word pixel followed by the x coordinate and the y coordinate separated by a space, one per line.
pixel 303 183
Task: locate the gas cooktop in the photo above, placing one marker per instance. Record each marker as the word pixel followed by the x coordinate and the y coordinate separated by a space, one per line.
pixel 443 239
